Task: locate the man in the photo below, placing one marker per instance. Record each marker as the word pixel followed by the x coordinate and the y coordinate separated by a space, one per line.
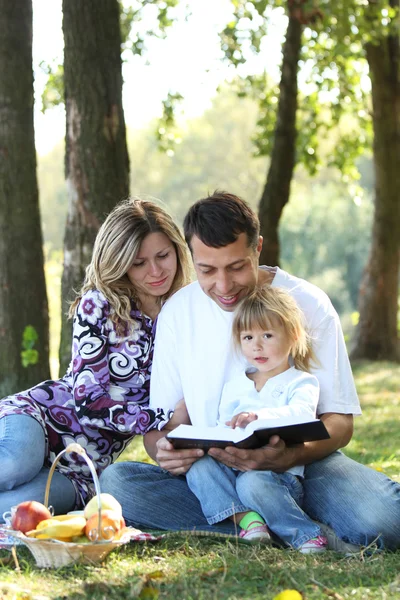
pixel 193 359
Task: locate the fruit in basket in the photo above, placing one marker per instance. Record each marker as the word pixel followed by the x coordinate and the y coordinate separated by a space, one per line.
pixel 63 527
pixel 111 525
pixel 28 514
pixel 107 502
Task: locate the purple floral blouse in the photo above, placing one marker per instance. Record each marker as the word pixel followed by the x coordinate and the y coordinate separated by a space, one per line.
pixel 101 401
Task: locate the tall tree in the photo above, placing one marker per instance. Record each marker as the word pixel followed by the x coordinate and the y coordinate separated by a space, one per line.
pixel 276 192
pixel 97 163
pixel 377 331
pixel 290 123
pixel 23 297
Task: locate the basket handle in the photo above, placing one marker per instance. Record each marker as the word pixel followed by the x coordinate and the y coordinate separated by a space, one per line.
pixel 74 447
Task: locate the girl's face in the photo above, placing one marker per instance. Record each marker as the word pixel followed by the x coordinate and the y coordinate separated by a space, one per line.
pixel 267 350
pixel 154 268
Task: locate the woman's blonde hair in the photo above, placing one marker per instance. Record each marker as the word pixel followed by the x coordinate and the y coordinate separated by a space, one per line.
pixel 265 308
pixel 116 247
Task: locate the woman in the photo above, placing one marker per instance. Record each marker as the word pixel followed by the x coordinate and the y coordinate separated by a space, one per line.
pixel 139 260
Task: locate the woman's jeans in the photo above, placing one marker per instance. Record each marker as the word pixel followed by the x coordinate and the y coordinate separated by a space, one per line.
pixel 22 475
pixel 277 497
pixel 360 504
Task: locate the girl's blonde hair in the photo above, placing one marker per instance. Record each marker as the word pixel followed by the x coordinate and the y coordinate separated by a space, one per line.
pixel 116 247
pixel 265 308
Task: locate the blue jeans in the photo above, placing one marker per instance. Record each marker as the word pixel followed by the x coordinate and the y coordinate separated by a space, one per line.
pixel 359 503
pixel 277 497
pixel 22 475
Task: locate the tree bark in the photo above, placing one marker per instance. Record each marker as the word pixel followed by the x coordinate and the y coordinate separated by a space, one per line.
pixel 97 163
pixel 23 299
pixel 376 335
pixel 277 188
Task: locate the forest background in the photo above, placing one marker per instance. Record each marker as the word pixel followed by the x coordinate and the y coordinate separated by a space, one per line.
pixel 271 122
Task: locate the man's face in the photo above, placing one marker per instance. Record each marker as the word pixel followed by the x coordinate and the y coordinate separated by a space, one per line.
pixel 226 274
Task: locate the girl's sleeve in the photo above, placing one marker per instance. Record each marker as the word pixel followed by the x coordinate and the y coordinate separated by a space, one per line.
pixel 303 398
pixel 91 373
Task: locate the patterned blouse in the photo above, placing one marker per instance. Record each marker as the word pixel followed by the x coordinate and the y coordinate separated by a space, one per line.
pixel 101 401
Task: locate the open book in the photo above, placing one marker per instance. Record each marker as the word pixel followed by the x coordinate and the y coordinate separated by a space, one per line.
pixel 256 434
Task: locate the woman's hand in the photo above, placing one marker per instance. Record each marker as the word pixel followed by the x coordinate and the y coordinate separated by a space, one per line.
pixel 176 462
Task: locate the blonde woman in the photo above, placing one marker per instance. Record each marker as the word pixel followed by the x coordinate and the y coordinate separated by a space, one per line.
pixel 139 260
pixel 268 330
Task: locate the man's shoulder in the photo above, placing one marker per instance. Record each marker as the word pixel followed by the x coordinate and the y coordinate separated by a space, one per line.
pixel 309 296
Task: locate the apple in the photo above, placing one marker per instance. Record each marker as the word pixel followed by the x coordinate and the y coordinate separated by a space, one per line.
pixel 111 524
pixel 28 514
pixel 107 501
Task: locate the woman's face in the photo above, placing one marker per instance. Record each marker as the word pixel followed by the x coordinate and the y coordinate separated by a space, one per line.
pixel 154 268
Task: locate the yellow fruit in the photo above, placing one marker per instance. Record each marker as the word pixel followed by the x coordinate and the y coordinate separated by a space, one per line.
pixel 107 501
pixel 289 595
pixel 55 529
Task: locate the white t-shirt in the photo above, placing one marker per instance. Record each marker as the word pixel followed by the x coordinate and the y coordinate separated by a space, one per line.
pixel 292 393
pixel 194 355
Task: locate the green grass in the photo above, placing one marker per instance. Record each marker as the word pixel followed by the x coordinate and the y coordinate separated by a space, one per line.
pixel 185 567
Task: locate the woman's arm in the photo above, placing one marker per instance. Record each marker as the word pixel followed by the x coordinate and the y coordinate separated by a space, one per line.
pixel 93 363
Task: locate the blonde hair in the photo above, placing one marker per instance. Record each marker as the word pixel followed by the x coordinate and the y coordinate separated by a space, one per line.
pixel 265 308
pixel 116 247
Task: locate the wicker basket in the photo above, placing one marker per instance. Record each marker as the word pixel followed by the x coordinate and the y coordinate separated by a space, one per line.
pixel 54 553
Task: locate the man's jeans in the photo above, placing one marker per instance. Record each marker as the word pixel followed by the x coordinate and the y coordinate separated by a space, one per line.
pixel 22 475
pixel 360 504
pixel 277 497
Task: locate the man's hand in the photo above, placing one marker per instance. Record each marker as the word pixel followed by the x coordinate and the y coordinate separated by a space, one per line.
pixel 275 457
pixel 278 457
pixel 242 419
pixel 176 462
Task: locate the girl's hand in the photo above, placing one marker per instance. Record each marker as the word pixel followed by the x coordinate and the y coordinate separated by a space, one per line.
pixel 242 419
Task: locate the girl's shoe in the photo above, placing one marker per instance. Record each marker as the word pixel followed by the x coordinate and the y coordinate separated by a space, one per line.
pixel 314 545
pixel 256 534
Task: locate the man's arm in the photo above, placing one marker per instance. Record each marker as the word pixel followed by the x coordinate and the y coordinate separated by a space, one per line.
pixel 278 457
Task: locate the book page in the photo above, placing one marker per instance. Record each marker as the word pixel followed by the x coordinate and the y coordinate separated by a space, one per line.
pixel 209 433
pixel 279 421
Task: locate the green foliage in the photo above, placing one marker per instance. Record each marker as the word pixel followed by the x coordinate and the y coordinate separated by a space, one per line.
pixel 333 75
pixel 29 356
pixel 53 93
pixel 325 237
pixel 167 131
pixel 134 13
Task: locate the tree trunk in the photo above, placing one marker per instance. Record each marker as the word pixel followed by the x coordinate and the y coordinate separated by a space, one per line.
pixel 277 188
pixel 376 334
pixel 97 163
pixel 23 299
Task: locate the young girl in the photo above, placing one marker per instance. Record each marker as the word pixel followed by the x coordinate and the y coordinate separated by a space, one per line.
pixel 268 329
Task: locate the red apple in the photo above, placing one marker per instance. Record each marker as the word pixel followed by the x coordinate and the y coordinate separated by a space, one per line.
pixel 111 525
pixel 28 514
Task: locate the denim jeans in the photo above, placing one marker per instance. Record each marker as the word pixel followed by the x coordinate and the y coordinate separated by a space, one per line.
pixel 277 497
pixel 22 475
pixel 360 504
